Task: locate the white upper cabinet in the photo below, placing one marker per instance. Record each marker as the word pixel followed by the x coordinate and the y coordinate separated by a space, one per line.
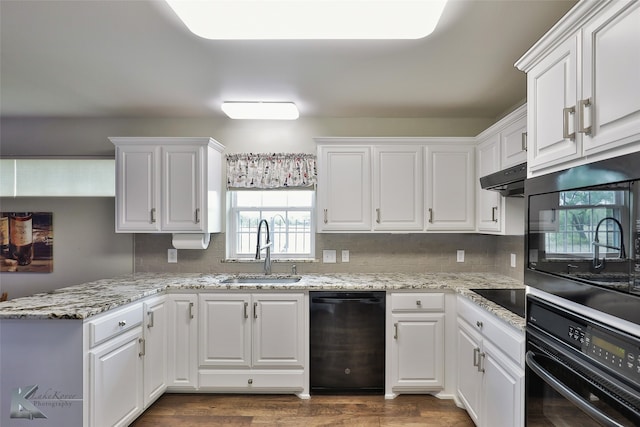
pixel 449 187
pixel 513 143
pixel 489 203
pixel 582 87
pixel 171 185
pixel 384 184
pixel 610 77
pixel 397 194
pixel 344 188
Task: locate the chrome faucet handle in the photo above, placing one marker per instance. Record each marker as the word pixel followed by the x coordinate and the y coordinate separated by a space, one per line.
pixel 294 269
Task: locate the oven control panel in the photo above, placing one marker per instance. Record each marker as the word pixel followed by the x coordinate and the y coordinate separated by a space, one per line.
pixel 610 351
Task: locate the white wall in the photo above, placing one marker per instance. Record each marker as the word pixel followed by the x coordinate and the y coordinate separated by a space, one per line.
pixel 85 246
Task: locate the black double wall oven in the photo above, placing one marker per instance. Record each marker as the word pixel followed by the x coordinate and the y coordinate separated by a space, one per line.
pixel 582 250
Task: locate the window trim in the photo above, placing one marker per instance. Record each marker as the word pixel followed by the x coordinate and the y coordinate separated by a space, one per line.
pixel 232 227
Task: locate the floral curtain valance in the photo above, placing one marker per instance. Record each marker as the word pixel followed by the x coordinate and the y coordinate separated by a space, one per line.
pixel 269 171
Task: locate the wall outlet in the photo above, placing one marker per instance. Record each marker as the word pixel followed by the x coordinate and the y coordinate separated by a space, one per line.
pixel 513 260
pixel 329 256
pixel 460 255
pixel 172 256
pixel 345 255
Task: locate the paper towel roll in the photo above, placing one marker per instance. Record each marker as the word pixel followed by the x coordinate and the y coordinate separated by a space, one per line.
pixel 191 241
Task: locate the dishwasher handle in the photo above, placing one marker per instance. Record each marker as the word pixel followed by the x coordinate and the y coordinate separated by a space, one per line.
pixel 334 300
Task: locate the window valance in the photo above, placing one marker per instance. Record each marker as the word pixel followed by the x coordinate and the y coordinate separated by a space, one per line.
pixel 271 171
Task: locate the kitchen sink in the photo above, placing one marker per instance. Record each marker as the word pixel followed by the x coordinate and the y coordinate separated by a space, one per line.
pixel 265 280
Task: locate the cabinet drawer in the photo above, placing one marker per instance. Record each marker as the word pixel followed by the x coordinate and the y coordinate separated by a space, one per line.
pixel 230 380
pixel 417 301
pixel 112 324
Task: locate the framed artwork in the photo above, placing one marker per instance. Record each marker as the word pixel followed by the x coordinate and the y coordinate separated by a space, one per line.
pixel 26 242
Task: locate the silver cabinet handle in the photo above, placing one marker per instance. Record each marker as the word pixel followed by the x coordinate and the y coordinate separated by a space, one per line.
pixel 326 217
pixel 566 112
pixel 197 215
pixel 191 316
pixel 479 324
pixel 150 315
pixel 143 345
pixel 582 105
pixel 250 381
pixel 246 314
pixel 524 141
pixel 481 362
pixel 431 215
pixel 255 310
pixel 395 331
pixel 122 323
pixel 419 303
pixel 378 215
pixel 494 210
pixel 476 353
pixel 153 215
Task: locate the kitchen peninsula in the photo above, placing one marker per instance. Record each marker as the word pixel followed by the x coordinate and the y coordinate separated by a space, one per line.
pixel 111 347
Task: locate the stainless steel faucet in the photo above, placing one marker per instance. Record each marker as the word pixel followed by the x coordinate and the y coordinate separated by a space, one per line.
pixel 597 264
pixel 267 246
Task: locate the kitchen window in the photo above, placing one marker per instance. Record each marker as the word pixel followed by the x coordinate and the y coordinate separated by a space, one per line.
pixel 579 213
pixel 290 214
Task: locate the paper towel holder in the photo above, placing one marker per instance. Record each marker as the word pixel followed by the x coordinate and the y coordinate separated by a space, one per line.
pixel 190 240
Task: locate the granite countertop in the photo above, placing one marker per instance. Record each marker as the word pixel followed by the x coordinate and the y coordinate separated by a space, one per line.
pixel 89 299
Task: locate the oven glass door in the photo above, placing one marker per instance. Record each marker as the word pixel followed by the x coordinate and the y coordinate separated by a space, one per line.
pixel 584 234
pixel 558 393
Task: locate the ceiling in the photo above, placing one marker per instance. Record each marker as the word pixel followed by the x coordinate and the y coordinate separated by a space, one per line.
pixel 96 58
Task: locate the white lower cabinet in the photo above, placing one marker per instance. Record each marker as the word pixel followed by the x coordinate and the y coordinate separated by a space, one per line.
pixel 155 349
pixel 490 373
pixel 115 363
pixel 182 335
pixel 415 344
pixel 253 342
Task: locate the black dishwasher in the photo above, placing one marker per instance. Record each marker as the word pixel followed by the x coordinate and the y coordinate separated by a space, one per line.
pixel 347 341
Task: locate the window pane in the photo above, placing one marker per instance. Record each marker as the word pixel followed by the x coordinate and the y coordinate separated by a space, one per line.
pixel 248 199
pixel 300 198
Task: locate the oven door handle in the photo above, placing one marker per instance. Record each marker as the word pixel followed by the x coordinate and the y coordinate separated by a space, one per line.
pixel 567 393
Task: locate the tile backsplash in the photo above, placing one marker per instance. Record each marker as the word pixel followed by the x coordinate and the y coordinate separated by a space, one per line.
pixel 368 253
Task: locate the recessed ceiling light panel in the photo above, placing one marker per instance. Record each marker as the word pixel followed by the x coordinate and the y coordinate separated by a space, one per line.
pixel 261 110
pixel 309 19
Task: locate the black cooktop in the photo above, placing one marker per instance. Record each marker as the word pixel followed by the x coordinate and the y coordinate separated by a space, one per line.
pixel 511 299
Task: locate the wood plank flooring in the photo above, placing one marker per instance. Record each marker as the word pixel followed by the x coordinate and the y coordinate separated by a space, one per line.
pixel 182 410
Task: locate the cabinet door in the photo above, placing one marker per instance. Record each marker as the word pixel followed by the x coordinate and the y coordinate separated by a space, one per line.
pixel 503 390
pixel 449 184
pixel 513 141
pixel 116 380
pixel 418 351
pixel 397 188
pixel 182 183
pixel 611 69
pixel 469 376
pixel 278 332
pixel 137 189
pixel 182 328
pixel 155 358
pixel 490 203
pixel 225 330
pixel 344 188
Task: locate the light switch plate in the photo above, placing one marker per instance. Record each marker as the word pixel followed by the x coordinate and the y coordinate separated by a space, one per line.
pixel 513 260
pixel 329 256
pixel 460 255
pixel 345 255
pixel 172 256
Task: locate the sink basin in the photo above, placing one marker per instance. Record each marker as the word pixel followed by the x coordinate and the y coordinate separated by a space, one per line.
pixel 265 280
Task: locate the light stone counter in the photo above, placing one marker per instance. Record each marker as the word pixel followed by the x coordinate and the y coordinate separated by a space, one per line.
pixel 89 299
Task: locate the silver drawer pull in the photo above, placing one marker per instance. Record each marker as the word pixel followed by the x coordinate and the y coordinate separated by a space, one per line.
pixel 122 323
pixel 524 141
pixel 191 316
pixel 144 347
pixel 476 353
pixel 395 331
pixel 494 210
pixel 153 215
pixel 419 303
pixel 150 314
pixel 566 112
pixel 378 215
pixel 582 105
pixel 246 314
pixel 326 216
pixel 431 215
pixel 197 221
pixel 250 381
pixel 479 324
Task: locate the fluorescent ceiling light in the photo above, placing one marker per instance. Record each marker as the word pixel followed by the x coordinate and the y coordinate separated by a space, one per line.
pixel 261 110
pixel 309 19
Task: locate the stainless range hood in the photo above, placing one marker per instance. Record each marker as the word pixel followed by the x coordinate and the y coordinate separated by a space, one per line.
pixel 509 182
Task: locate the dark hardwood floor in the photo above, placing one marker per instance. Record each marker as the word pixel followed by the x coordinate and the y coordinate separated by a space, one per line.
pixel 181 410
